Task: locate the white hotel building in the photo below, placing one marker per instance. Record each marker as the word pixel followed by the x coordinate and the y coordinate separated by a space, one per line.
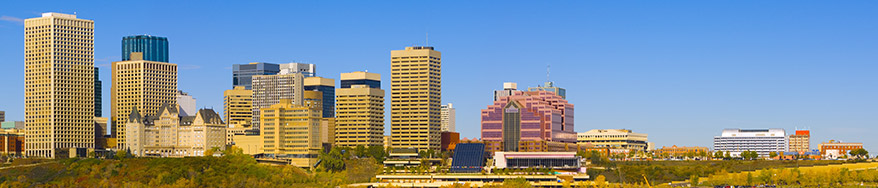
pixel 763 141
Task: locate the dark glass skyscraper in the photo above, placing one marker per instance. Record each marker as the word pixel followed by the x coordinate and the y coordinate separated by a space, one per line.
pixel 153 48
pixel 98 105
pixel 242 74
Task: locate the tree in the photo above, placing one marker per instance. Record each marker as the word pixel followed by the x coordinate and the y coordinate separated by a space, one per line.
pixel 728 155
pixel 121 154
pixel 772 154
pixel 332 161
pixel 859 153
pixel 718 154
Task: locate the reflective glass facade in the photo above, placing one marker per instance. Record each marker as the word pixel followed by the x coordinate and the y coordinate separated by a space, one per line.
pixel 370 83
pixel 328 99
pixel 153 48
pixel 242 74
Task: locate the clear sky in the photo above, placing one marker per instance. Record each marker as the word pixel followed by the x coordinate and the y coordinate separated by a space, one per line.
pixel 680 71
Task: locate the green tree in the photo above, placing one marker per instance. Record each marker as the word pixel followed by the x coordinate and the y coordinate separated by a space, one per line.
pixel 772 154
pixel 332 161
pixel 121 154
pixel 718 154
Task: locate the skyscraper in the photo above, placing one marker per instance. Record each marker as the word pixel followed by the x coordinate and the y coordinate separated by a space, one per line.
pixel 238 106
pixel 327 87
pixel 448 118
pixel 360 110
pixel 270 89
pixel 58 84
pixel 153 48
pixel 416 94
pixel 141 84
pixel 242 74
pixel 550 86
pixel 186 103
pixel 98 96
pixel 532 116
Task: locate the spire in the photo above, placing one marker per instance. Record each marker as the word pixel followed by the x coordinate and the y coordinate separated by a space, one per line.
pixel 135 115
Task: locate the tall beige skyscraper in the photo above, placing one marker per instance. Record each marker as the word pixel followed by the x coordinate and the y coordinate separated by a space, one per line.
pixel 448 118
pixel 58 84
pixel 143 84
pixel 238 106
pixel 416 94
pixel 359 110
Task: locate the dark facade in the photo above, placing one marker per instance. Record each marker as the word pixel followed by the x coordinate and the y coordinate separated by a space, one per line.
pixel 98 104
pixel 468 158
pixel 242 74
pixel 153 48
pixel 328 99
pixel 370 83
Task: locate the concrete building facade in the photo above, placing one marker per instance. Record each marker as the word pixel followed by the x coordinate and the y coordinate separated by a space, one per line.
pixel 762 141
pixel 614 139
pixel 58 84
pixel 143 84
pixel 415 97
pixel 291 132
pixel 448 118
pixel 359 110
pixel 187 103
pixel 237 106
pixel 800 142
pixel 271 89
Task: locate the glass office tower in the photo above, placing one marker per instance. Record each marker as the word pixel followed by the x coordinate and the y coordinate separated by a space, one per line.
pixel 154 48
pixel 242 74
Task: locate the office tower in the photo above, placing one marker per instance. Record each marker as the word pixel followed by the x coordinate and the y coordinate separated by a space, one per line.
pixel 169 134
pixel 237 104
pixel 143 84
pixel 98 96
pixel 614 138
pixel 448 119
pixel 528 118
pixel 327 87
pixel 801 141
pixel 416 94
pixel 550 86
pixel 270 89
pixel 58 83
pixel 2 116
pixel 186 103
pixel 307 70
pixel 508 89
pixel 359 110
pixel 291 132
pixel 762 141
pixel 242 74
pixel 153 48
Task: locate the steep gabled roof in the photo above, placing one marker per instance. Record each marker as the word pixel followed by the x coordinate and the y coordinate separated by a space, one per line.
pixel 166 106
pixel 134 116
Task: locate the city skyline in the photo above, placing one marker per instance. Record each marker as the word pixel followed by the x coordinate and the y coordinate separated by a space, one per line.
pixel 667 71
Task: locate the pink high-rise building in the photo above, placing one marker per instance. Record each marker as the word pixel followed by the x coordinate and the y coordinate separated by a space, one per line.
pixel 527 117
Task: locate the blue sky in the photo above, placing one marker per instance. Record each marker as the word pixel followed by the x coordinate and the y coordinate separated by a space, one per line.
pixel 680 71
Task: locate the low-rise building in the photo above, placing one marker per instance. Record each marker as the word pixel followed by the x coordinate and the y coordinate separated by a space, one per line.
pixel 13 142
pixel 834 149
pixel 675 151
pixel 762 141
pixel 614 138
pixel 448 140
